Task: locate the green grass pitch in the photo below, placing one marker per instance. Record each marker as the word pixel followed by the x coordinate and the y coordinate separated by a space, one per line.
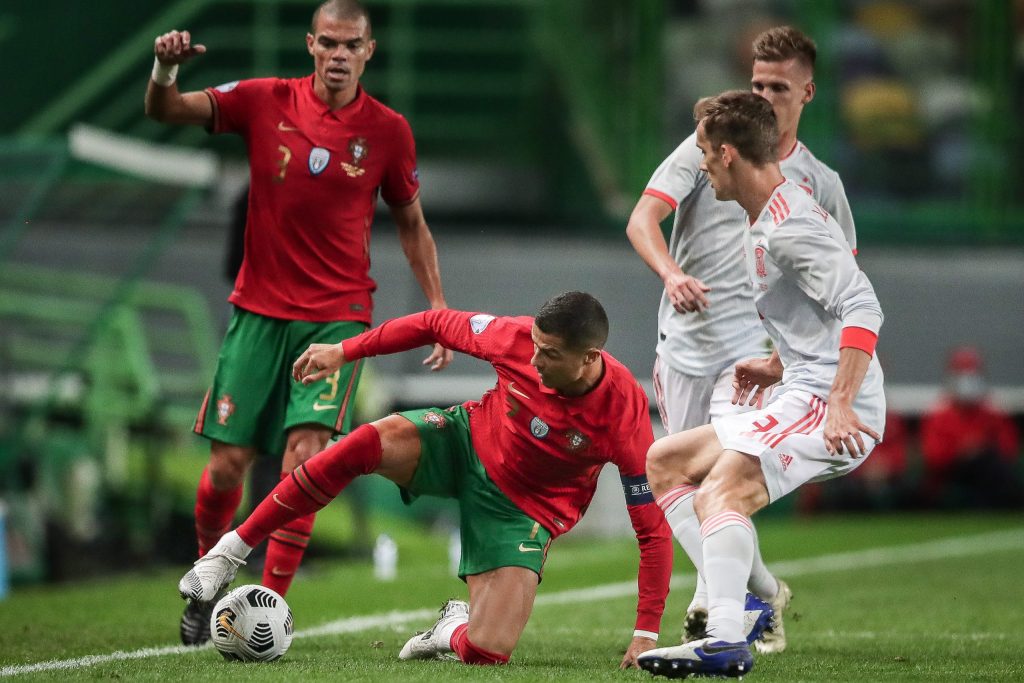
pixel 895 598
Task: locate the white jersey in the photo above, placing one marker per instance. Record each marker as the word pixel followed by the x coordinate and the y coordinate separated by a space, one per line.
pixel 707 243
pixel 807 288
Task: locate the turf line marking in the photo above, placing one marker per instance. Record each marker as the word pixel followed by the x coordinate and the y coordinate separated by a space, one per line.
pixel 965 546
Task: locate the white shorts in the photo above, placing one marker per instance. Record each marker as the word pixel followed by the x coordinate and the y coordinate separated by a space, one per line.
pixel 688 401
pixel 787 436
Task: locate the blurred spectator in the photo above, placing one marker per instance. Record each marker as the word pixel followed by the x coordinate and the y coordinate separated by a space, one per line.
pixel 970 446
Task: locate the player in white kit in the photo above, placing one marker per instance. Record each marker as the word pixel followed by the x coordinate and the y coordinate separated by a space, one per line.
pixel 822 420
pixel 706 320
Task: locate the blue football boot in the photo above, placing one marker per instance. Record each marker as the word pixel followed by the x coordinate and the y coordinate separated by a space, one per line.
pixel 706 657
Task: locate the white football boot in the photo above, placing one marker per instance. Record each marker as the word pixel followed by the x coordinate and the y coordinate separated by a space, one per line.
pixel 436 642
pixel 774 638
pixel 214 570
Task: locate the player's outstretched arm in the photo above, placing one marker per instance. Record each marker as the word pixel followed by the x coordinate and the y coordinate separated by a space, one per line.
pixel 163 101
pixel 421 252
pixel 317 362
pixel 843 427
pixel 685 292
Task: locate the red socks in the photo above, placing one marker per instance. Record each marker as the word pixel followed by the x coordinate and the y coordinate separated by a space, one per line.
pixel 214 512
pixel 285 549
pixel 310 487
pixel 470 653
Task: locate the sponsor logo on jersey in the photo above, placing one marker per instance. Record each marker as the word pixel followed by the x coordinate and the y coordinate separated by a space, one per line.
pixel 227 87
pixel 539 428
pixel 478 323
pixel 576 441
pixel 517 392
pixel 359 150
pixel 526 549
pixel 318 160
pixel 285 128
pixel 785 460
pixel 225 408
pixel 318 406
pixel 759 262
pixel 436 419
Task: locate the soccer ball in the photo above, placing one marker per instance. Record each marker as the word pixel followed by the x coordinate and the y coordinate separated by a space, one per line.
pixel 251 624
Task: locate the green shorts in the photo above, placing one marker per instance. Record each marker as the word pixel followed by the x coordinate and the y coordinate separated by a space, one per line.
pixel 254 401
pixel 495 532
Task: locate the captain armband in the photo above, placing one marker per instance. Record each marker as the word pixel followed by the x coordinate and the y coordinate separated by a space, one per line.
pixel 858 338
pixel 637 490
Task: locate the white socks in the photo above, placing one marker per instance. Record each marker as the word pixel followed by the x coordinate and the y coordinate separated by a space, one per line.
pixel 677 504
pixel 728 554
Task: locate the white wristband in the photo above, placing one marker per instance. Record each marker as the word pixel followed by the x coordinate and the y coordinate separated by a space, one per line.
pixel 164 75
pixel 645 634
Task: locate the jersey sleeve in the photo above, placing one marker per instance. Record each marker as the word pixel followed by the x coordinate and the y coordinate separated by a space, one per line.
pixel 401 182
pixel 832 198
pixel 652 531
pixel 826 270
pixel 480 335
pixel 677 175
pixel 234 102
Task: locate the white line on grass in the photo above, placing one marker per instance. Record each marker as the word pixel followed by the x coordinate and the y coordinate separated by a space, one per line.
pixel 965 546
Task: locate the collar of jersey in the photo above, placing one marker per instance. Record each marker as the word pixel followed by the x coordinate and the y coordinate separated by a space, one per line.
pixel 321 108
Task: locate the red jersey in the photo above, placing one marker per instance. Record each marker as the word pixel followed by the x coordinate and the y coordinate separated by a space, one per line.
pixel 315 175
pixel 542 449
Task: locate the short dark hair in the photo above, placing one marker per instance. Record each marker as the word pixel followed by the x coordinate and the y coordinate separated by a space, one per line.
pixel 341 9
pixel 741 119
pixel 575 317
pixel 783 43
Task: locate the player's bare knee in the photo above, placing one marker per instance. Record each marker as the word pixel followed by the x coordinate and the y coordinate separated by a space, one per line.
pixel 228 465
pixel 303 444
pixel 660 473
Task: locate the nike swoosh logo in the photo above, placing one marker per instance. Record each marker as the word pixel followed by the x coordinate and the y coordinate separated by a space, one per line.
pixel 286 128
pixel 323 406
pixel 512 388
pixel 277 572
pixel 710 649
pixel 524 549
pixel 281 503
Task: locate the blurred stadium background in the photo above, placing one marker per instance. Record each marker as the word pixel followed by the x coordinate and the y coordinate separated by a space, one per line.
pixel 538 124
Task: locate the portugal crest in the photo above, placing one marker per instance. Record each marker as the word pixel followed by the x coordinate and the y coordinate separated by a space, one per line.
pixel 436 419
pixel 225 407
pixel 359 150
pixel 318 160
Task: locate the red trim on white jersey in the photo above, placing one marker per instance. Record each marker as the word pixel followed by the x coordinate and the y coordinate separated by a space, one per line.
pixel 805 425
pixel 796 144
pixel 651 192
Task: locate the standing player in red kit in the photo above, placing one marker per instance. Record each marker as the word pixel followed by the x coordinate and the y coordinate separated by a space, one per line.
pixel 523 462
pixel 320 151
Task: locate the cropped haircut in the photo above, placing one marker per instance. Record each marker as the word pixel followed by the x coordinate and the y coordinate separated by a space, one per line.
pixel 741 119
pixel 783 43
pixel 576 318
pixel 350 10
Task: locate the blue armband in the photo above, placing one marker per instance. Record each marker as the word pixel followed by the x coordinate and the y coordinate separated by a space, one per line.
pixel 637 490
